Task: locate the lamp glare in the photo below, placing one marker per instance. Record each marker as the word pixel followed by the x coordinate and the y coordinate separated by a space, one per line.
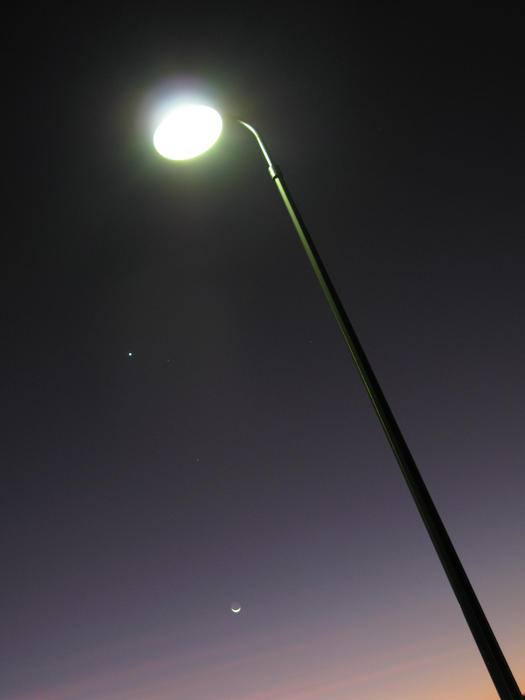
pixel 187 131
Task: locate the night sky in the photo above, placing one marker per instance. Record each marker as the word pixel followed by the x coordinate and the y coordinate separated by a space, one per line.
pixel 183 426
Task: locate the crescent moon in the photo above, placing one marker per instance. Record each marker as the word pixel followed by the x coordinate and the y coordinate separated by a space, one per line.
pixel 236 610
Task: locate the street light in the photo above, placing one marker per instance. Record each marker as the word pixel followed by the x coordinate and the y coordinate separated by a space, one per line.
pixel 179 127
pixel 187 131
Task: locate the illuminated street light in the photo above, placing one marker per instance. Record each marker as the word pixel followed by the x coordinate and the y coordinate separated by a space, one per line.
pixel 188 132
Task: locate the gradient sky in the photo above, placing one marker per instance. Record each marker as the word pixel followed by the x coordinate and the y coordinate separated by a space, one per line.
pixel 234 455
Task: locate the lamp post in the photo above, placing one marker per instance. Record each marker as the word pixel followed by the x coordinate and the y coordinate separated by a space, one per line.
pixel 172 141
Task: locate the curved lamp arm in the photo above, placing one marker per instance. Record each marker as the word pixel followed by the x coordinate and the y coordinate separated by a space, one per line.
pixel 259 141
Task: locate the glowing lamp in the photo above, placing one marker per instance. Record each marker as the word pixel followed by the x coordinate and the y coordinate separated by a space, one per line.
pixel 187 131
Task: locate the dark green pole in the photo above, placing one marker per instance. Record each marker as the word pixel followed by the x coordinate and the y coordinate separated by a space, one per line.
pixel 479 626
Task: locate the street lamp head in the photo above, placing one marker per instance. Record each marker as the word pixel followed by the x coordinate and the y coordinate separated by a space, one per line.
pixel 187 131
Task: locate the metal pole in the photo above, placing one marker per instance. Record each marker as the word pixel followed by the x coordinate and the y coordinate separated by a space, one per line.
pixel 479 626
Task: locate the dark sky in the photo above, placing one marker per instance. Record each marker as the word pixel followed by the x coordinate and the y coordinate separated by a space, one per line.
pixel 235 456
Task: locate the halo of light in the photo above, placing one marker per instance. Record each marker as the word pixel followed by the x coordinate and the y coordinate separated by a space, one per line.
pixel 187 131
pixel 235 607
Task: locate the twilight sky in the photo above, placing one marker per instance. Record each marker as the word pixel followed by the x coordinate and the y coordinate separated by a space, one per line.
pixel 183 425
